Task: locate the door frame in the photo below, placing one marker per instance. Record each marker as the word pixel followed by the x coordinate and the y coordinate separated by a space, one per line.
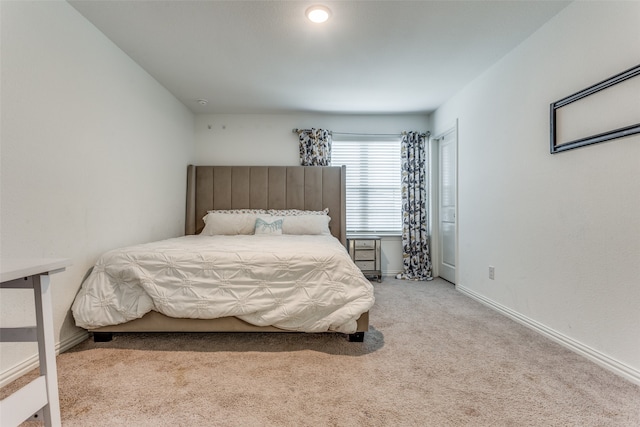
pixel 434 199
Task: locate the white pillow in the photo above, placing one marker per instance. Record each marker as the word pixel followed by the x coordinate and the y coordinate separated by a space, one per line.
pixel 306 224
pixel 297 212
pixel 228 224
pixel 239 211
pixel 268 225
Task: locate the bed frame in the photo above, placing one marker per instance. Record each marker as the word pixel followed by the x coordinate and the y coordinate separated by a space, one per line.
pixel 249 187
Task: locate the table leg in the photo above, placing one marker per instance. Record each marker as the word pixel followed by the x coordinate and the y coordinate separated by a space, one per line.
pixel 47 348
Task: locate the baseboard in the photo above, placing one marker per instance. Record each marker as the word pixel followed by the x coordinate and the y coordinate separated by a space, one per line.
pixel 601 359
pixel 32 362
pixel 391 273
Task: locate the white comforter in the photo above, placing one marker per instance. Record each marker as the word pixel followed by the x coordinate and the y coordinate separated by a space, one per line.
pixel 298 283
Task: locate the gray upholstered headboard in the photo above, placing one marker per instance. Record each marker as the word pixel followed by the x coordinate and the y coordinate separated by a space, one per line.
pixel 266 187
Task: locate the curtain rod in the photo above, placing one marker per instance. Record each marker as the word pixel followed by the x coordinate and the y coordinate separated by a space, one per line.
pixel 295 130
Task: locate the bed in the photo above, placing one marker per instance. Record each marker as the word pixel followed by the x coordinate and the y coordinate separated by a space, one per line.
pixel 329 286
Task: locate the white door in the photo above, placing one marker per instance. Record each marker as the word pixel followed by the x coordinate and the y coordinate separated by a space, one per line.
pixel 447 196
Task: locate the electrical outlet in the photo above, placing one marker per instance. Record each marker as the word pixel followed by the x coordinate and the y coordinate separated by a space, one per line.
pixel 492 272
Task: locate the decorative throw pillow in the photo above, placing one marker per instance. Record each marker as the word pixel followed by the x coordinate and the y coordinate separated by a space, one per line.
pixel 270 226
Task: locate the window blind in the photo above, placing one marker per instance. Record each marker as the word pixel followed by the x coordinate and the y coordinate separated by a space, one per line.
pixel 374 199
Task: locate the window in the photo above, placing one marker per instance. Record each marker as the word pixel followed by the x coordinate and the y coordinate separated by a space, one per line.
pixel 374 200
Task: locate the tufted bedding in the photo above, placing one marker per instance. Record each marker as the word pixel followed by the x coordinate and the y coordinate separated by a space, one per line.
pixel 302 283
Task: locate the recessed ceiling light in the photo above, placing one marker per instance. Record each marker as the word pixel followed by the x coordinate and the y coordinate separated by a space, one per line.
pixel 202 101
pixel 318 14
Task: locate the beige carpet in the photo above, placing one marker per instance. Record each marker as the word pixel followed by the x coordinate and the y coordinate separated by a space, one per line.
pixel 433 357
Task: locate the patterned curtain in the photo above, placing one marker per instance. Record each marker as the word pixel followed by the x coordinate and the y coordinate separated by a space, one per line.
pixel 315 147
pixel 415 241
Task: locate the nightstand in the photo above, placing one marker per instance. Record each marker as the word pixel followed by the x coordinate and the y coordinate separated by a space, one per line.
pixel 365 253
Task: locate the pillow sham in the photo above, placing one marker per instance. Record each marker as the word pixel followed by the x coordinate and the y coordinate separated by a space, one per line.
pixel 227 224
pixel 296 212
pixel 239 211
pixel 269 226
pixel 306 224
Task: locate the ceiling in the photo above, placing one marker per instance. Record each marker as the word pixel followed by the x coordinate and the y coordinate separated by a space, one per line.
pixel 371 57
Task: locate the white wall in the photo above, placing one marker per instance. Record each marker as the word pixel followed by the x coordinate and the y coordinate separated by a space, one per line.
pixel 267 139
pixel 563 230
pixel 94 154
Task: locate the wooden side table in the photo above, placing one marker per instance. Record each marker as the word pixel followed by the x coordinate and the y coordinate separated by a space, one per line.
pixel 365 252
pixel 39 398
